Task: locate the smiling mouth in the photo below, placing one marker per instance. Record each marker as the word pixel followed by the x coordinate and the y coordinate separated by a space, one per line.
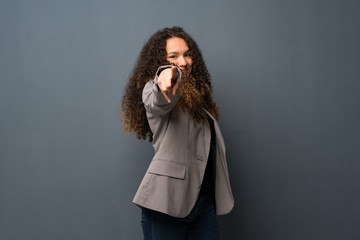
pixel 185 71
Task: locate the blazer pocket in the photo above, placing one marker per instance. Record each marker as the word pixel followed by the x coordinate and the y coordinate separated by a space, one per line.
pixel 167 168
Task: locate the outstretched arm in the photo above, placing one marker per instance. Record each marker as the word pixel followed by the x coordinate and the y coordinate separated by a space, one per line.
pixel 161 95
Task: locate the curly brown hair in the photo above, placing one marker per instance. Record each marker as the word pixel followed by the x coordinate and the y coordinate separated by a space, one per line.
pixel 153 55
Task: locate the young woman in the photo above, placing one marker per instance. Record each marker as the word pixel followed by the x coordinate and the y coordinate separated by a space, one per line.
pixel 169 100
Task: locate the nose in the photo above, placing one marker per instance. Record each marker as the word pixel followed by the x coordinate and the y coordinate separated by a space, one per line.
pixel 181 61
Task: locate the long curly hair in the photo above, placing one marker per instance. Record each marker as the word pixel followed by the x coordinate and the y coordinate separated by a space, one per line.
pixel 153 55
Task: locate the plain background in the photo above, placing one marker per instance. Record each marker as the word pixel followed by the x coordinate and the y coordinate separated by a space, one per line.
pixel 286 77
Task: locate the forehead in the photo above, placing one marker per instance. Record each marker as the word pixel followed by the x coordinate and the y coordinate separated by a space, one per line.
pixel 176 45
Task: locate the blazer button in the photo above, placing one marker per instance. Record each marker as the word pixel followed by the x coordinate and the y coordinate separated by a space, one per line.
pixel 199 157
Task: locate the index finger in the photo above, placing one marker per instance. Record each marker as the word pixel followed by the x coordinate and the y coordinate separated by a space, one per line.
pixel 174 76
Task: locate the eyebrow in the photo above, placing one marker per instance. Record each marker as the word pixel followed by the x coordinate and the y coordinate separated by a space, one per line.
pixel 178 52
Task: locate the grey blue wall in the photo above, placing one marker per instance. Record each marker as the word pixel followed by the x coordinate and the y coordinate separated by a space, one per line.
pixel 286 77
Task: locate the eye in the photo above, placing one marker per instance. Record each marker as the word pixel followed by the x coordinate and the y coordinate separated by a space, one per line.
pixel 172 56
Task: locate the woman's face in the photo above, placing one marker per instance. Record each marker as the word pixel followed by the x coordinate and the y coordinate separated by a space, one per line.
pixel 178 53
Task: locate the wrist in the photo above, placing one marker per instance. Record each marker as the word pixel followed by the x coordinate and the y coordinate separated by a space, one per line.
pixel 162 68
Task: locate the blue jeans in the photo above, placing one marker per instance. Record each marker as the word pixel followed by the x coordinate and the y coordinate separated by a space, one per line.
pixel 200 224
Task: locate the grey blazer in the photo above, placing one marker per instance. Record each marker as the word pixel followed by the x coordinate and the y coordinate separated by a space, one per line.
pixel 173 180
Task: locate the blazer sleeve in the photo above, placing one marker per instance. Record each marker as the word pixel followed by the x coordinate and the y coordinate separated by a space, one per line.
pixel 153 99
